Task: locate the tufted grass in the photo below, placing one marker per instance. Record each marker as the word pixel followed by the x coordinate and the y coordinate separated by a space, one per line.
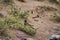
pixel 16 22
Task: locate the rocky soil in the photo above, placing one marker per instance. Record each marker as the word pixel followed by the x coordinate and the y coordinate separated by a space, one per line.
pixel 39 18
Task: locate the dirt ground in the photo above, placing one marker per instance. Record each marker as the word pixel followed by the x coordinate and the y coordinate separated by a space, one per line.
pixel 39 18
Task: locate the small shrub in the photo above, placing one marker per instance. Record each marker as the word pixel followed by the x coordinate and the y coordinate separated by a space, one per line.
pixel 3 28
pixel 24 15
pixel 19 16
pixel 28 29
pixel 16 22
pixel 14 12
pixel 56 17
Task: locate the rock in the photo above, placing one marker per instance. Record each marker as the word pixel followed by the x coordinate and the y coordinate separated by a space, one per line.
pixel 55 37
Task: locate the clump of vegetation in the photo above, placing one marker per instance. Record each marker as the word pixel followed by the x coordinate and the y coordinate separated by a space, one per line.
pixel 16 22
pixel 57 17
pixel 29 30
pixel 22 0
pixel 53 1
pixel 7 1
pixel 24 15
pixel 19 16
pixel 15 12
pixel 4 28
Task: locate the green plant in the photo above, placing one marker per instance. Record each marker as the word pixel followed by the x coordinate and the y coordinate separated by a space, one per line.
pixel 29 30
pixel 3 27
pixel 24 15
pixel 16 22
pixel 14 12
pixel 19 16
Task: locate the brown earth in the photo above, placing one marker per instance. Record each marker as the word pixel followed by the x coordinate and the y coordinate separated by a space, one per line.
pixel 39 18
